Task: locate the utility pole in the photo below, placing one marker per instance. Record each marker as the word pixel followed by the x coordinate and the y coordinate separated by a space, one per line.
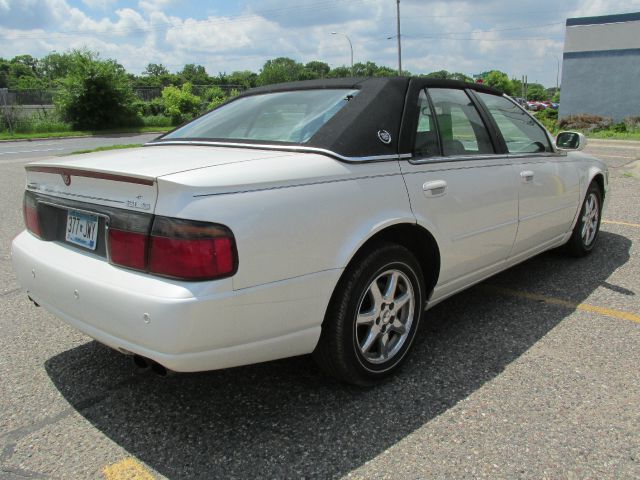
pixel 399 42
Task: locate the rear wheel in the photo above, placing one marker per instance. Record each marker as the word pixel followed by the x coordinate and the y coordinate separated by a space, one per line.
pixel 585 233
pixel 373 316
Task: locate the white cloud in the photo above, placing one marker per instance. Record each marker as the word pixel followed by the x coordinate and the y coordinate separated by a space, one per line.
pixel 99 4
pixel 456 35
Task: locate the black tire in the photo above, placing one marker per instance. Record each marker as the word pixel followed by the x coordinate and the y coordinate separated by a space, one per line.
pixel 580 244
pixel 342 349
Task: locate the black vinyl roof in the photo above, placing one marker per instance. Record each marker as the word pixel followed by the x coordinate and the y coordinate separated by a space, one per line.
pixel 354 131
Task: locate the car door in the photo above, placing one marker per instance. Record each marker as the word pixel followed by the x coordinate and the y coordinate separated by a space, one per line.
pixel 459 188
pixel 548 182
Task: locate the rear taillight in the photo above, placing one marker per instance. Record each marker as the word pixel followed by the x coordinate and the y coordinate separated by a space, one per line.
pixel 30 212
pixel 128 249
pixel 176 248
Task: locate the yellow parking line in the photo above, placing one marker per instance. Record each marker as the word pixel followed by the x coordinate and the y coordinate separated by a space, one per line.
pixel 622 223
pixel 127 469
pixel 609 312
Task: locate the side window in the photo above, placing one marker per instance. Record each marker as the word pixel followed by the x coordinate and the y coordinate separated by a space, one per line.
pixel 461 127
pixel 521 133
pixel 426 143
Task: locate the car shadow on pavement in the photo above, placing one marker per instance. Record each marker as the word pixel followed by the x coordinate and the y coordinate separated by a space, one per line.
pixel 285 419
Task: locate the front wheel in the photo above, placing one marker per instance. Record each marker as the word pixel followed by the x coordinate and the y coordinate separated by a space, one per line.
pixel 373 316
pixel 585 233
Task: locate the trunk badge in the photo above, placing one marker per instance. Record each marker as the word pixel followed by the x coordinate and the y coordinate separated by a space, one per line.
pixel 66 178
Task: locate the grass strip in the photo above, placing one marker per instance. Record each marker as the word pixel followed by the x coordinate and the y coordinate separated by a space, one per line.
pixel 104 148
pixel 82 133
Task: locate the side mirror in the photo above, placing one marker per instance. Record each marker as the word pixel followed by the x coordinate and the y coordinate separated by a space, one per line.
pixel 571 141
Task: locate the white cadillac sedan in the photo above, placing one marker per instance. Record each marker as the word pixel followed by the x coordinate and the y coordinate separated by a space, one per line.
pixel 317 217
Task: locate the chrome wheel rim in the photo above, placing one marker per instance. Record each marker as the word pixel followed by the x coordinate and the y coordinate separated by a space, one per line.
pixel 590 218
pixel 385 316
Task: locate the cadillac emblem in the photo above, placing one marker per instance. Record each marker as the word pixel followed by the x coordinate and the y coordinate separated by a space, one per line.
pixel 66 178
pixel 384 136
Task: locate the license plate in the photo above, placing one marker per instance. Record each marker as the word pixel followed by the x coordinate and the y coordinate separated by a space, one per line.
pixel 82 229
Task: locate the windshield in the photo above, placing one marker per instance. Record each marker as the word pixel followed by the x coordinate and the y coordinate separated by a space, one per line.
pixel 292 117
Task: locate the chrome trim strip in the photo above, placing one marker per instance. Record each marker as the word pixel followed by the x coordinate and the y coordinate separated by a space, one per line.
pixel 285 148
pixel 496 156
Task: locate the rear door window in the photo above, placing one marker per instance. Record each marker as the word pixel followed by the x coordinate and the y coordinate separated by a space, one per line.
pixel 461 128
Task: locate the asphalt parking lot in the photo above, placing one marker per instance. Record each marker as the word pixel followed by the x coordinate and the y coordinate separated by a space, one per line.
pixel 531 374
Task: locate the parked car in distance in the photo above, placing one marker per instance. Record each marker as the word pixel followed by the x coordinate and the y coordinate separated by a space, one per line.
pixel 317 217
pixel 550 104
pixel 535 106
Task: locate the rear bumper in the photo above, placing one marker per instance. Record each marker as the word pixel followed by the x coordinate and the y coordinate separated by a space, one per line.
pixel 181 325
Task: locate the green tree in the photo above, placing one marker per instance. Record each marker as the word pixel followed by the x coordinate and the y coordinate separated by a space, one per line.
pixel 319 69
pixel 156 75
pixel 179 103
pixel 383 71
pixel 195 74
pixel 536 91
pixel 367 69
pixel 461 77
pixel 96 93
pixel 155 70
pixel 278 70
pixel 29 83
pixel 28 62
pixel 5 70
pixel 340 72
pixel 516 87
pixel 213 96
pixel 245 78
pixel 54 67
pixel 500 81
pixel 443 74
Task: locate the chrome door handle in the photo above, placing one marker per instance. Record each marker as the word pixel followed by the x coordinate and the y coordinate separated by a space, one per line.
pixel 526 176
pixel 436 188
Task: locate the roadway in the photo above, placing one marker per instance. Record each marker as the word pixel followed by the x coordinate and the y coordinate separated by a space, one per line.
pixel 34 149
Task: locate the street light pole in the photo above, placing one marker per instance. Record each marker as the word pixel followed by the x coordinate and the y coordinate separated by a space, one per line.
pixel 398 35
pixel 350 46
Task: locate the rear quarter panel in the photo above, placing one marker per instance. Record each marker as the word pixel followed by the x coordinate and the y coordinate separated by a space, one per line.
pixel 291 216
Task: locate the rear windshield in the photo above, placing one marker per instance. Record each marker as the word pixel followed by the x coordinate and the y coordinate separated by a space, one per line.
pixel 291 117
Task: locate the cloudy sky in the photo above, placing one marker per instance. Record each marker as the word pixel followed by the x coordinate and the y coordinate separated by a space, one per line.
pixel 519 37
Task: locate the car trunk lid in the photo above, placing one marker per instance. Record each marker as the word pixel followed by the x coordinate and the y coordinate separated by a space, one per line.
pixel 126 178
